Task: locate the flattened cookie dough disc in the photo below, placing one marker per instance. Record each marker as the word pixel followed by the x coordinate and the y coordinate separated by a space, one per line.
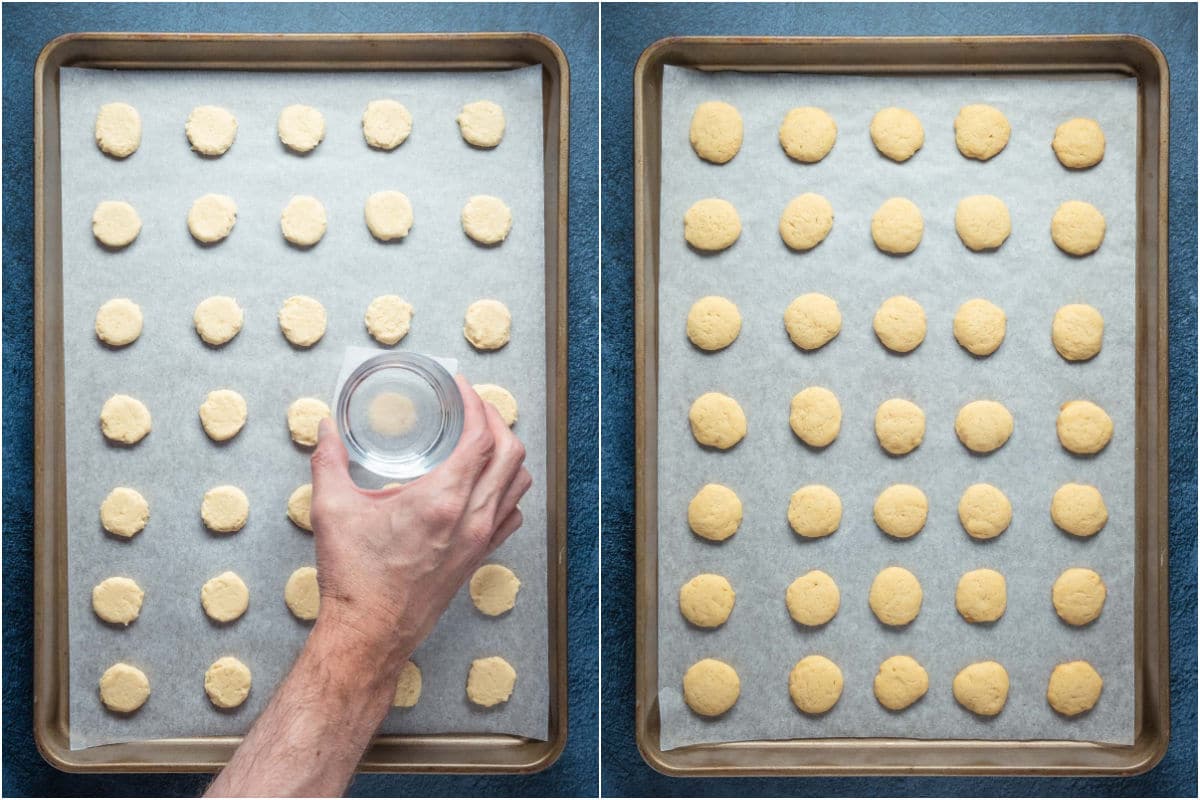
pixel 388 318
pixel 716 131
pixel 302 320
pixel 408 686
pixel 983 425
pixel 706 600
pixel 117 600
pixel 813 599
pixel 119 322
pixel 814 511
pixel 982 222
pixel 1077 332
pixel 211 130
pixel 815 684
pixel 711 687
pixel 901 510
pixel 124 419
pixel 225 597
pixel 124 512
pixel 895 596
pixel 386 124
pixel 392 414
pixel 118 129
pixel 115 223
pixel 223 413
pixel 1077 228
pixel 224 509
pixel 900 682
pixel 301 128
pixel 501 399
pixel 717 420
pixel 807 134
pixel 816 416
pixel 984 511
pixel 1078 509
pixel 1074 688
pixel 897 133
pixel 711 224
pixel 490 681
pixel 713 323
pixel 1078 596
pixel 227 682
pixel 302 594
pixel 1084 427
pixel 303 220
pixel 389 215
pixel 806 221
pixel 217 319
pixel 899 426
pixel 123 688
pixel 487 324
pixel 304 419
pixel 900 324
pixel 979 327
pixel 981 596
pixel 897 226
pixel 1079 143
pixel 299 507
pixel 812 320
pixel 486 219
pixel 715 512
pixel 481 123
pixel 212 218
pixel 982 688
pixel 494 589
pixel 981 131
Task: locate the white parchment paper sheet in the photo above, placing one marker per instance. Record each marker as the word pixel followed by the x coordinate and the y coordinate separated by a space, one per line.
pixel 1028 277
pixel 436 268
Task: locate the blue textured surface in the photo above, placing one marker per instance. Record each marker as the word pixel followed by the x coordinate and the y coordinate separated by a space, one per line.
pixel 626 30
pixel 26 30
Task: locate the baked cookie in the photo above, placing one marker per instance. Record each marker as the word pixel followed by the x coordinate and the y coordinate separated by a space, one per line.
pixel 900 682
pixel 1077 228
pixel 711 687
pixel 717 420
pixel 982 688
pixel 816 416
pixel 1083 427
pixel 119 322
pixel 1078 595
pixel 895 596
pixel 897 226
pixel 715 512
pixel 983 426
pixel 897 133
pixel 1077 332
pixel 1078 509
pixel 487 325
pixel 981 596
pixel 982 222
pixel 979 327
pixel 901 510
pixel 118 129
pixel 1079 143
pixel 984 511
pixel 814 511
pixel 806 221
pixel 124 419
pixel 815 684
pixel 899 426
pixel 716 131
pixel 713 323
pixel 711 224
pixel 807 134
pixel 812 320
pixel 706 600
pixel 813 599
pixel 1074 688
pixel 900 324
pixel 981 131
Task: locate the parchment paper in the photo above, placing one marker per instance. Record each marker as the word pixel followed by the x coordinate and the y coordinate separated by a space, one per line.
pixel 1028 277
pixel 436 268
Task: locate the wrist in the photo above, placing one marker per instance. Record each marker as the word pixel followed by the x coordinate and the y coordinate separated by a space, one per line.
pixel 365 643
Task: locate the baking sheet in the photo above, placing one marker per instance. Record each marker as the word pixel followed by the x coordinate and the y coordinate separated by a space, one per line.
pixel 1028 277
pixel 436 268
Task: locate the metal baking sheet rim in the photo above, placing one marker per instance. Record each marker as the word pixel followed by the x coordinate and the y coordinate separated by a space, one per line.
pixel 452 753
pixel 893 756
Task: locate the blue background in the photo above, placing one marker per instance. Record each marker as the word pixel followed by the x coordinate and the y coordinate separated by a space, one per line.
pixel 626 30
pixel 27 28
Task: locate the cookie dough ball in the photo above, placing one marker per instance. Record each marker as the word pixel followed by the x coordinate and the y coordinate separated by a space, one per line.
pixel 982 595
pixel 895 596
pixel 119 322
pixel 117 600
pixel 299 507
pixel 982 222
pixel 713 323
pixel 901 510
pixel 408 686
pixel 983 426
pixel 807 134
pixel 115 224
pixel 815 684
pixel 897 226
pixel 897 133
pixel 981 131
pixel 711 687
pixel 715 512
pixel 716 131
pixel 118 129
pixel 223 413
pixel 124 512
pixel 303 220
pixel 712 224
pixel 1074 688
pixel 494 589
pixel 487 324
pixel 899 426
pixel 1077 228
pixel 211 130
pixel 984 511
pixel 302 320
pixel 486 219
pixel 816 416
pixel 900 682
pixel 386 124
pixel 301 128
pixel 304 419
pixel 481 123
pixel 217 319
pixel 302 594
pixel 1078 509
pixel 900 324
pixel 389 215
pixel 1079 143
pixel 225 597
pixel 227 682
pixel 706 600
pixel 812 320
pixel 813 599
pixel 388 318
pixel 490 681
pixel 501 399
pixel 982 688
pixel 717 420
pixel 224 509
pixel 1083 427
pixel 814 511
pixel 1078 595
pixel 123 688
pixel 806 221
pixel 1077 332
pixel 979 327
pixel 124 419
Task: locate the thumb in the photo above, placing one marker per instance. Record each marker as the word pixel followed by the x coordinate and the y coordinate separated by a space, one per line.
pixel 330 462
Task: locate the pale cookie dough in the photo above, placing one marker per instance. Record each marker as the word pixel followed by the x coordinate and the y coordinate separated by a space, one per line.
pixel 1083 427
pixel 392 414
pixel 897 133
pixel 408 686
pixel 706 600
pixel 901 510
pixel 481 123
pixel 806 221
pixel 303 220
pixel 982 222
pixel 816 416
pixel 1078 509
pixel 487 324
pixel 501 399
pixel 1074 688
pixel 124 512
pixel 224 509
pixel 1077 228
pixel 225 597
pixel 388 318
pixel 389 215
pixel 711 225
pixel 812 320
pixel 117 600
pixel 304 419
pixel 900 324
pixel 900 682
pixel 897 226
pixel 302 320
pixel 815 684
pixel 217 319
pixel 1077 332
pixel 979 327
pixel 807 134
pixel 713 323
pixel 494 589
pixel 1079 143
pixel 211 130
pixel 212 218
pixel 899 426
pixel 123 688
pixel 983 425
pixel 115 223
pixel 981 596
pixel 715 512
pixel 301 128
pixel 717 420
pixel 227 682
pixel 814 511
pixel 486 219
pixel 386 124
pixel 984 511
pixel 716 131
pixel 119 322
pixel 223 413
pixel 1078 596
pixel 124 419
pixel 299 507
pixel 982 688
pixel 118 129
pixel 302 594
pixel 813 599
pixel 711 687
pixel 895 596
pixel 981 131
pixel 490 681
